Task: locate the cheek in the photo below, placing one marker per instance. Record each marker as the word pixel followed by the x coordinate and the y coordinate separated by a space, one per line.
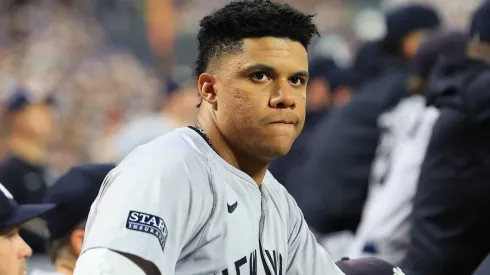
pixel 238 109
pixel 8 258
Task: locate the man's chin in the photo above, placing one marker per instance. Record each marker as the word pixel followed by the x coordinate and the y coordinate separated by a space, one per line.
pixel 279 150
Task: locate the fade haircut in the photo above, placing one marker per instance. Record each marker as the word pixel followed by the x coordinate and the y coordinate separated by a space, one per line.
pixel 223 31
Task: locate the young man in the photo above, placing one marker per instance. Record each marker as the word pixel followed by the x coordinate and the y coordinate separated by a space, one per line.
pixel 13 249
pixel 200 200
pixel 73 193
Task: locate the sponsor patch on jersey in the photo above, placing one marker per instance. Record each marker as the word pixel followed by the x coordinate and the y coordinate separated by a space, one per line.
pixel 149 224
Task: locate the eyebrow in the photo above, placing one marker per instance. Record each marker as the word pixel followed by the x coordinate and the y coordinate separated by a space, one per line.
pixel 269 69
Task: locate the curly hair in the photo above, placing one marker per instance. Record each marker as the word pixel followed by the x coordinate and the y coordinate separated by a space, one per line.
pixel 222 32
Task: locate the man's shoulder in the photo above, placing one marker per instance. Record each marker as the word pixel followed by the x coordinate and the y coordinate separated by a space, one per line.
pixel 175 154
pixel 172 147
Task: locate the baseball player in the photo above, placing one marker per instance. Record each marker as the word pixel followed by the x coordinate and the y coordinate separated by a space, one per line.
pixel 72 193
pixel 13 249
pixel 199 200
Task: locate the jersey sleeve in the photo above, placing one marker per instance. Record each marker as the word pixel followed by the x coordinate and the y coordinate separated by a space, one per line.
pixel 306 256
pixel 151 209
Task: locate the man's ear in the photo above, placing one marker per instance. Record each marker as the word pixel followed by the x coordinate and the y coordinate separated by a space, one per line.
pixel 76 241
pixel 206 88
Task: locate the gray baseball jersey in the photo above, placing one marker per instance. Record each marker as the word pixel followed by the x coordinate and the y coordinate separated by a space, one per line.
pixel 175 202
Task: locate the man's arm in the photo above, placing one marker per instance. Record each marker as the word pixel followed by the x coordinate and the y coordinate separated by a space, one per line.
pixel 147 211
pixel 109 262
pixel 306 256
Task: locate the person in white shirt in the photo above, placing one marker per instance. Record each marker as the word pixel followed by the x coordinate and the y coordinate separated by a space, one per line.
pixel 385 227
pixel 199 200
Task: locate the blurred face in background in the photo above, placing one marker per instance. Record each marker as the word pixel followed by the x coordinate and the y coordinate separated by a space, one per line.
pixel 318 96
pixel 13 253
pixel 411 43
pixel 36 121
pixel 341 96
pixel 182 104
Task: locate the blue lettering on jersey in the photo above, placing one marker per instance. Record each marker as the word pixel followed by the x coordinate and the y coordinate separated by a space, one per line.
pixel 147 223
pixel 274 260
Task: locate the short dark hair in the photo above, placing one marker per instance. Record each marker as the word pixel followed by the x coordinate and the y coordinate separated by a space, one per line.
pixel 222 31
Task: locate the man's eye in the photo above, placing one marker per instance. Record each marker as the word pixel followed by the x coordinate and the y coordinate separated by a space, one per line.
pixel 297 81
pixel 260 76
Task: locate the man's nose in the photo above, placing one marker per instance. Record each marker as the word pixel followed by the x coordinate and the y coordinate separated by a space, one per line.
pixel 25 250
pixel 283 98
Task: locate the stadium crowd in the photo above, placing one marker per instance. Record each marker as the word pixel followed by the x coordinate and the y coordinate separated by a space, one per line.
pixel 392 160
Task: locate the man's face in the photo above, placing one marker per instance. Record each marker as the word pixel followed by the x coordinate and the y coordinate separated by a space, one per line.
pixel 39 119
pixel 261 96
pixel 13 253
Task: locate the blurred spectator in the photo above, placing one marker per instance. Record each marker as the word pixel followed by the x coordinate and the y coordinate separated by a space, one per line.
pixel 329 87
pixel 13 250
pixel 319 93
pixel 367 63
pixel 384 230
pixel 449 224
pixel 331 185
pixel 73 194
pixel 29 121
pixel 106 89
pixel 341 85
pixel 176 108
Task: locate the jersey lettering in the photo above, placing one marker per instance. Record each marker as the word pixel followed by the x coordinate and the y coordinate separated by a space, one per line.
pixel 274 259
pixel 147 223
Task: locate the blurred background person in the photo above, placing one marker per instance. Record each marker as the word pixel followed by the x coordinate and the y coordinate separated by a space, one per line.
pixel 331 184
pixel 329 88
pixel 73 194
pixel 14 251
pixel 449 232
pixel 29 122
pixel 175 108
pixel 384 230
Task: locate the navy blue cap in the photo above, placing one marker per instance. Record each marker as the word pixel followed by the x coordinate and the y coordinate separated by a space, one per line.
pixel 342 78
pixel 368 266
pixel 406 19
pixel 21 98
pixel 73 194
pixel 449 44
pixel 13 214
pixel 320 67
pixel 326 68
pixel 480 22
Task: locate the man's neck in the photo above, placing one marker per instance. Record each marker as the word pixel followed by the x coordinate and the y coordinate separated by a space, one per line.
pixel 65 267
pixel 29 150
pixel 175 121
pixel 252 166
